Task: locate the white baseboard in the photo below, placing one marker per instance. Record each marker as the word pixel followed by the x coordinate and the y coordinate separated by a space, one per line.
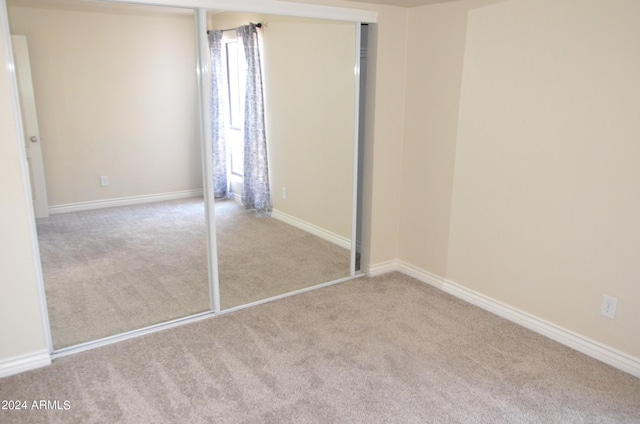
pixel 18 364
pixel 381 268
pixel 310 228
pixel 592 348
pixel 123 201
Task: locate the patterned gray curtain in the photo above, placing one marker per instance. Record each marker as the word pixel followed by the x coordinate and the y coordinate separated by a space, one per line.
pixel 255 187
pixel 218 116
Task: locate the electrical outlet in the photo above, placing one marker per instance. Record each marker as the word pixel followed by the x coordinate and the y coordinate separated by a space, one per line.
pixel 284 192
pixel 609 305
pixel 104 181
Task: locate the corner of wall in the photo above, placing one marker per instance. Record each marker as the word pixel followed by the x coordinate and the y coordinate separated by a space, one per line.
pixel 384 132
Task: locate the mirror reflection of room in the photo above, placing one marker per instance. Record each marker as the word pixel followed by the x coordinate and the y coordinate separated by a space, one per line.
pixel 124 243
pixel 294 230
pixel 121 226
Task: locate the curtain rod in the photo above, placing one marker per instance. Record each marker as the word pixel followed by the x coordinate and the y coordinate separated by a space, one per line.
pixel 258 25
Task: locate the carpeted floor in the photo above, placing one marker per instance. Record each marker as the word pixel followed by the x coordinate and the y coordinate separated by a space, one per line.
pixel 261 257
pixel 113 270
pixel 383 350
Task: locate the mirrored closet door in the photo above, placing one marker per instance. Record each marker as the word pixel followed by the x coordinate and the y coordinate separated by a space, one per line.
pixel 138 234
pixel 307 75
pixel 116 92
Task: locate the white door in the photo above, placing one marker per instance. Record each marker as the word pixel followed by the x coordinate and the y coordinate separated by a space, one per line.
pixel 30 125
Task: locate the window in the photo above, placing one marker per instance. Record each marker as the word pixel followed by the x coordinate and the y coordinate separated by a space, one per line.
pixel 236 74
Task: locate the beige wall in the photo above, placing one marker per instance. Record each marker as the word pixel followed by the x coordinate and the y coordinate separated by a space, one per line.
pixel 228 20
pixel 436 42
pixel 21 329
pixel 541 153
pixel 309 96
pixel 310 89
pixel 116 94
pixel 383 135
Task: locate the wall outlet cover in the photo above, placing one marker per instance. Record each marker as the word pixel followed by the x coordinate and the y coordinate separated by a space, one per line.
pixel 609 305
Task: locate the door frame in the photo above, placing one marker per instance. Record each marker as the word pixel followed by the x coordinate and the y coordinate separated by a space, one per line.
pixel 20 46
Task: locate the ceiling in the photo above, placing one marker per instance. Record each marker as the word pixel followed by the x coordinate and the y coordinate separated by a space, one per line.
pixel 66 4
pixel 404 3
pixel 100 6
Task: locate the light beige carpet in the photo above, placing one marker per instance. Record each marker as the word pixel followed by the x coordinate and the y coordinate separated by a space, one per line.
pixel 260 257
pixel 383 350
pixel 114 270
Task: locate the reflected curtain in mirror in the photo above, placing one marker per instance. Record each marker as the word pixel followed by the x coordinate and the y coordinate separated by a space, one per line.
pixel 255 187
pixel 256 193
pixel 218 116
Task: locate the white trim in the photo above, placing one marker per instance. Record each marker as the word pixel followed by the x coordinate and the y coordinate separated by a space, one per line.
pixel 82 347
pixel 382 268
pixel 355 275
pixel 273 7
pixel 24 171
pixel 22 363
pixel 356 145
pixel 204 99
pixel 105 341
pixel 123 201
pixel 312 229
pixel 597 350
